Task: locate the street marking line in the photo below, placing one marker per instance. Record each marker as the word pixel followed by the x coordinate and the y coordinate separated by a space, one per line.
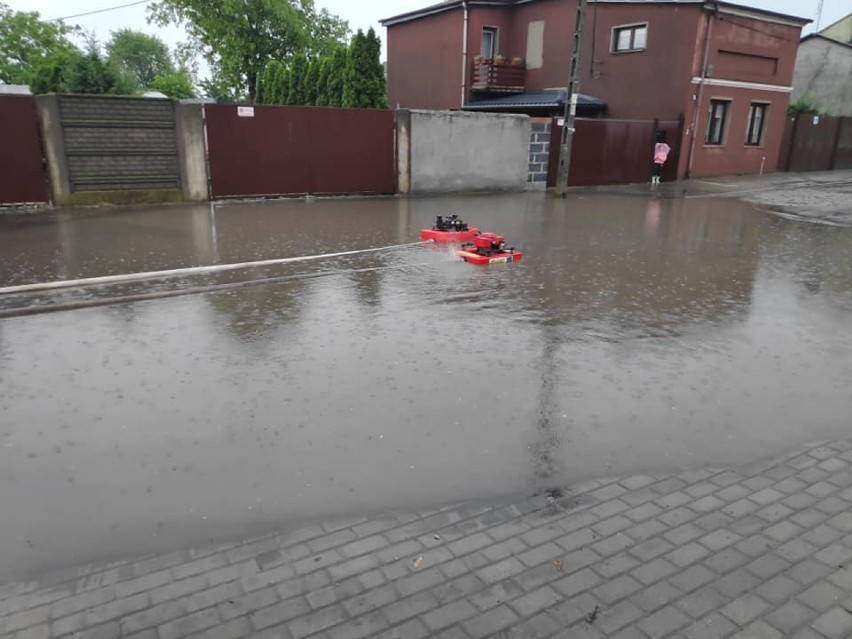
pixel 191 270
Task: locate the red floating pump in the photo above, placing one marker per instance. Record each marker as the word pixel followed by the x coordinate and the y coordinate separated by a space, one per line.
pixel 489 248
pixel 489 242
pixel 449 228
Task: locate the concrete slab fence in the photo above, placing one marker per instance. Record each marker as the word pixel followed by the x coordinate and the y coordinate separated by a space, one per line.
pixel 117 149
pixel 455 151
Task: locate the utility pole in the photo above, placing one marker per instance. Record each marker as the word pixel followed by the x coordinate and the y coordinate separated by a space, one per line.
pixel 571 104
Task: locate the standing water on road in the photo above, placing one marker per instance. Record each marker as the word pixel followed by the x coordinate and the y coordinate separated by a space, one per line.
pixel 638 333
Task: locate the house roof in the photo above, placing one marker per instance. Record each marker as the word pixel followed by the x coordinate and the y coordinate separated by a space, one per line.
pixel 720 4
pixel 551 99
pixel 836 22
pixel 448 5
pixel 451 5
pixel 812 36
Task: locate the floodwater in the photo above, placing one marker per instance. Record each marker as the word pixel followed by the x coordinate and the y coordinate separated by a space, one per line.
pixel 637 334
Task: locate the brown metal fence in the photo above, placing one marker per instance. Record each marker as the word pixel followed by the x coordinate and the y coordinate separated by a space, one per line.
pixel 272 150
pixel 843 146
pixel 22 173
pixel 816 143
pixel 614 151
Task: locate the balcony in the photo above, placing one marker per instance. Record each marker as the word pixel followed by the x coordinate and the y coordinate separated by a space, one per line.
pixel 499 75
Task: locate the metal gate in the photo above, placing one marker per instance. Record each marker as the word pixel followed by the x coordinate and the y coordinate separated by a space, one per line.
pixel 22 173
pixel 277 150
pixel 614 151
pixel 816 143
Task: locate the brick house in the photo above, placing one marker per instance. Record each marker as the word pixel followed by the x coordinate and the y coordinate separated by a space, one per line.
pixel 724 69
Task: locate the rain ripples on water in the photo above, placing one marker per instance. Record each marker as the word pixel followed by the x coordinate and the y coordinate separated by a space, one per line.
pixel 636 334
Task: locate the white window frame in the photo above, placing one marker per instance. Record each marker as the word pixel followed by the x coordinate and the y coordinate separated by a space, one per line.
pixel 495 41
pixel 723 134
pixel 632 28
pixel 764 118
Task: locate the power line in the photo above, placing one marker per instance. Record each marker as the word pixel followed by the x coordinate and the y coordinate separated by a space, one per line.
pixel 91 13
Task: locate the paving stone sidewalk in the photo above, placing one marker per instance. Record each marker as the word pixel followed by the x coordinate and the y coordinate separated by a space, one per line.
pixel 755 552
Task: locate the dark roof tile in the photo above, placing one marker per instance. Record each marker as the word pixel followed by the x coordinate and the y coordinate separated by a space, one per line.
pixel 537 99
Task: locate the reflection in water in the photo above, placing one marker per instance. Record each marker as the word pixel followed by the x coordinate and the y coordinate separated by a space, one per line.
pixel 368 287
pixel 256 314
pixel 545 449
pixel 637 333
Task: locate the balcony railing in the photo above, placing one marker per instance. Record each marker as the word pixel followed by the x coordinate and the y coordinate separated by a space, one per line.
pixel 496 75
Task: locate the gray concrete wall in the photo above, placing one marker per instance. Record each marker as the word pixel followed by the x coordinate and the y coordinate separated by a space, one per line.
pixel 192 154
pixel 453 151
pixel 824 73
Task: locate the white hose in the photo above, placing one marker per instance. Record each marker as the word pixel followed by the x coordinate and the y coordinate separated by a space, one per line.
pixel 192 270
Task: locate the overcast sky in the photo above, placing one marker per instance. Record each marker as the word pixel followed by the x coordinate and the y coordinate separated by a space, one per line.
pixel 360 13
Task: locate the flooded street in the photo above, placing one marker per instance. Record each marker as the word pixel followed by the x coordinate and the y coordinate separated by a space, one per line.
pixel 638 333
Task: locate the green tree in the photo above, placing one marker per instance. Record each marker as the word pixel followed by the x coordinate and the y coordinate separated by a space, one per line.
pixel 142 56
pixel 239 37
pixel 26 42
pixel 378 77
pixel 282 85
pixel 296 85
pixel 322 80
pixel 804 105
pixel 337 76
pixel 263 87
pixel 325 31
pixel 220 90
pixel 90 73
pixel 310 86
pixel 270 84
pixel 364 86
pixel 48 74
pixel 176 85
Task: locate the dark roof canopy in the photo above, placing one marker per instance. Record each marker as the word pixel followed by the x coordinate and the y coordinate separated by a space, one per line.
pixel 551 99
pixel 819 36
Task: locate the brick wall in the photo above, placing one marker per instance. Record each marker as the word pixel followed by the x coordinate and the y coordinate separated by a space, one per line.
pixel 539 154
pixel 119 143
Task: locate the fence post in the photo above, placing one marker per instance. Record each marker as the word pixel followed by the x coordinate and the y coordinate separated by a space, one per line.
pixel 403 151
pixel 189 125
pixel 54 148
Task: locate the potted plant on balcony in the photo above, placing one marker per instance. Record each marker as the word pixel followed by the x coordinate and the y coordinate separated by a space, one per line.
pixel 518 61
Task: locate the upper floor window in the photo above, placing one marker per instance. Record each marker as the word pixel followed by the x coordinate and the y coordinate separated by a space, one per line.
pixel 632 37
pixel 756 123
pixel 489 43
pixel 716 122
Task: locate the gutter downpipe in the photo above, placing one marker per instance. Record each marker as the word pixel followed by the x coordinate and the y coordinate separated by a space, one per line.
pixel 464 53
pixel 707 31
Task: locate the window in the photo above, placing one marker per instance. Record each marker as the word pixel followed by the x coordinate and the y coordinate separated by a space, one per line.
pixel 756 120
pixel 535 44
pixel 717 121
pixel 630 38
pixel 489 43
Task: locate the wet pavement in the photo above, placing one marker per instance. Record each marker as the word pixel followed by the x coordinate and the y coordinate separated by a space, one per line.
pixel 639 332
pixel 756 552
